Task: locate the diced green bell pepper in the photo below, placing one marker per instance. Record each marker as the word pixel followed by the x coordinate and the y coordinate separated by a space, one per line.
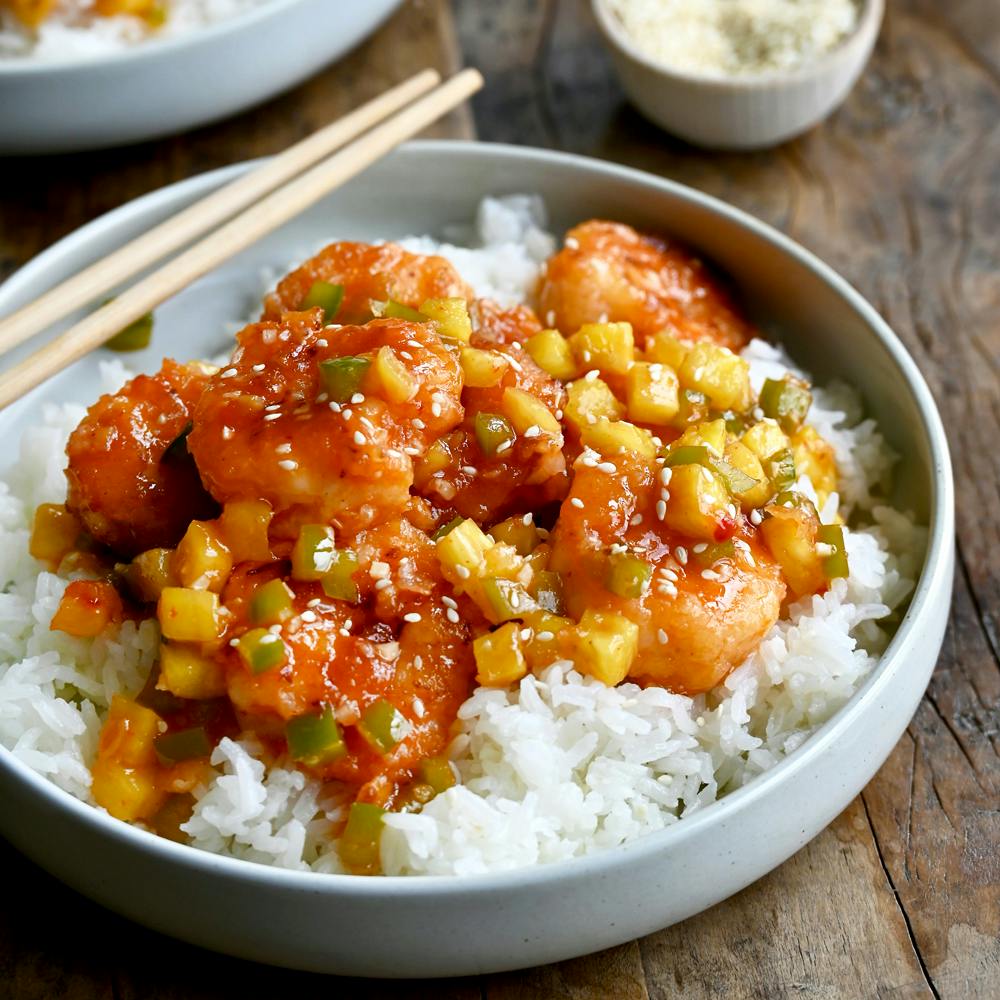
pixel 396 310
pixel 548 591
pixel 690 454
pixel 713 553
pixel 313 552
pixel 315 740
pixel 780 469
pixel 835 565
pixel 325 296
pixel 185 744
pixel 382 725
pixel 507 598
pixel 446 529
pixel 692 408
pixel 493 432
pixel 262 650
pixel 271 603
pixel 627 575
pixel 339 581
pixel 342 377
pixel 437 772
pixel 787 401
pixel 359 843
pixel 135 337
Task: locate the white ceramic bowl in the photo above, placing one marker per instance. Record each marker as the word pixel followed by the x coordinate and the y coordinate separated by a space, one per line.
pixel 466 925
pixel 740 113
pixel 160 87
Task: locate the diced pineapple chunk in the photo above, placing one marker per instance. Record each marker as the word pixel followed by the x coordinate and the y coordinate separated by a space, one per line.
pixel 765 439
pixel 462 552
pixel 202 561
pixel 451 317
pixel 186 673
pixel 189 615
pixel 522 537
pixel 723 376
pixel 698 502
pixel 244 526
pixel 390 377
pixel 651 393
pixel 54 532
pixel 617 437
pixel 552 353
pixel 708 433
pixel 482 369
pixel 741 457
pixel 436 458
pixel 525 411
pixel 549 633
pixel 605 646
pixel 667 350
pixel 589 400
pixel 148 573
pixel 814 456
pixel 499 656
pixel 608 347
pixel 791 535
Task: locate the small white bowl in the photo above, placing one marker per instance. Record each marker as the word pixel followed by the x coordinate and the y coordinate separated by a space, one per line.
pixel 753 112
pixel 159 87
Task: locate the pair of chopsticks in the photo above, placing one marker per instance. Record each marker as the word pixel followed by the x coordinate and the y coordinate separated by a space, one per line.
pixel 255 204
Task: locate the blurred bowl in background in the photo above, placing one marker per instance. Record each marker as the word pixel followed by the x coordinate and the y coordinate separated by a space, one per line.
pixel 157 88
pixel 746 112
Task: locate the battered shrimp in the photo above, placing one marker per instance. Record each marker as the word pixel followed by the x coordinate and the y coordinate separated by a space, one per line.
pixel 609 272
pixel 529 474
pixel 697 620
pixel 131 481
pixel 368 274
pixel 349 656
pixel 266 428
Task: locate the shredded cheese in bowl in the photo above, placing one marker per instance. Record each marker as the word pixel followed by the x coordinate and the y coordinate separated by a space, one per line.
pixel 738 38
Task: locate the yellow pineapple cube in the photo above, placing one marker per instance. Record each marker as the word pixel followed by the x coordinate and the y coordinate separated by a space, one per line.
pixel 721 375
pixel 244 526
pixel 391 378
pixel 608 347
pixel 616 437
pixel 525 411
pixel 605 646
pixel 202 561
pixel 667 350
pixel 815 457
pixel 186 673
pixel 499 656
pixel 698 502
pixel 791 534
pixel 589 400
pixel 741 457
pixel 462 552
pixel 652 393
pixel 552 353
pixel 187 615
pixel 709 433
pixel 482 369
pixel 451 317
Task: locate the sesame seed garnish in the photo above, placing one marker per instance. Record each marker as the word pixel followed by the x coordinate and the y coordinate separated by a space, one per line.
pixel 592 375
pixel 527 519
pixel 586 357
pixel 559 414
pixel 274 630
pixel 334 405
pixel 525 634
pixel 365 422
pixel 436 408
pixel 393 453
pixel 661 637
pixel 227 433
pixel 347 413
pixel 406 354
pixel 449 602
pixel 469 470
pixel 661 510
pixel 412 617
pixel 533 431
pixel 289 464
pixel 346 633
pixel 314 603
pixel 228 373
pixel 681 555
pixel 359 438
pixel 506 446
pixel 272 407
pixel 609 467
pixel 418 423
pixel 545 636
pixel 550 318
pixel 259 367
pixel 322 342
pixel 283 449
pixel 308 617
pixel 755 517
pixel 636 520
pixel 452 615
pixel 418 661
pixel 382 584
pixel 699 548
pixel 272 416
pixel 463 572
pixel 577 502
pixel 358 397
pixel 758 413
pixel 515 364
pixel 666 474
pixel 414 343
pixel 710 574
pixel 411 451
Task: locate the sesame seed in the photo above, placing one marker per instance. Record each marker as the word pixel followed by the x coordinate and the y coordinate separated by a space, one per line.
pixel 335 406
pixel 681 555
pixel 382 584
pixel 710 574
pixel 758 413
pixel 607 467
pixel 393 453
pixel 406 354
pixel 283 449
pixel 463 572
pixel 411 451
pixel 436 409
pixel 273 632
pixel 418 423
pixel 699 548
pixel 636 520
pixel 272 416
pixel 228 373
pixel 358 397
pixel 533 431
pixel 412 616
pixel 661 510
pixel 314 603
pixel 506 446
pixel 664 495
pixel 700 721
pixel 449 602
pixel 525 634
pixel 755 517
pixel 259 368
pixel 418 661
pixel 527 519
pixel 322 342
pixel 308 617
pixel 345 633
pixel 545 636
pixel 452 615
pixel 661 637
pixel 359 438
pixel 559 414
pixel 227 433
pixel 347 413
pixel 365 422
pixel 550 317
pixel 414 343
pixel 666 474
pixel 591 376
pixel 586 357
pixel 272 407
pixel 577 502
pixel 289 464
pixel 469 470
pixel 515 364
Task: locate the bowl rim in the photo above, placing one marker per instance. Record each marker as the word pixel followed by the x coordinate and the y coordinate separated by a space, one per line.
pixel 149 49
pixel 849 50
pixel 934 573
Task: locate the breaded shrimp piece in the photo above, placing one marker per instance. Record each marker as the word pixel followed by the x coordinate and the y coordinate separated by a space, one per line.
pixel 711 617
pixel 267 429
pixel 368 274
pixel 608 272
pixel 128 486
pixel 532 472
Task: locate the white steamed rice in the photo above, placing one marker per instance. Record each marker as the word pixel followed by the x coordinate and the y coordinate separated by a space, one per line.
pixel 74 31
pixel 556 768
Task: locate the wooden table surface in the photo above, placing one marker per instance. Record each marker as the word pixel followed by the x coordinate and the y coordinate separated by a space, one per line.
pixel 900 191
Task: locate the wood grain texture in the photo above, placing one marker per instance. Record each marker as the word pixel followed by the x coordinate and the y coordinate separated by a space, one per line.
pixel 900 897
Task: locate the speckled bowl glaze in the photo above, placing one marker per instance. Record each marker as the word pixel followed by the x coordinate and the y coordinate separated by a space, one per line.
pixel 753 112
pixel 466 925
pixel 161 87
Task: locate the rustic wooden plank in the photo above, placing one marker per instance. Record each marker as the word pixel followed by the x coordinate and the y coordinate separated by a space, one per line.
pixel 824 925
pixel 44 198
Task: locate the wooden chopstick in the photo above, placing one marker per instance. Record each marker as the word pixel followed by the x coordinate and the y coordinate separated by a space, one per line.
pixel 90 284
pixel 268 214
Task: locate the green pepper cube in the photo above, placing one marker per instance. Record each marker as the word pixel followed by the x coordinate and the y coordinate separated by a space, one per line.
pixel 359 843
pixel 627 575
pixel 692 408
pixel 271 603
pixel 787 401
pixel 262 650
pixel 437 772
pixel 313 552
pixel 736 480
pixel 494 433
pixel 548 591
pixel 342 377
pixel 135 336
pixel 185 744
pixel 324 296
pixel 396 310
pixel 780 468
pixel 339 581
pixel 711 554
pixel 690 454
pixel 383 725
pixel 835 565
pixel 314 740
pixel 507 598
